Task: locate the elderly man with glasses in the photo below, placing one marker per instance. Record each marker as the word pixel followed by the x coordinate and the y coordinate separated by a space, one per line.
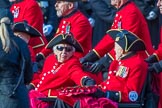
pixel 61 69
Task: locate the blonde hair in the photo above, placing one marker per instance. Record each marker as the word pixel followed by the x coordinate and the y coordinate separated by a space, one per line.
pixel 4 34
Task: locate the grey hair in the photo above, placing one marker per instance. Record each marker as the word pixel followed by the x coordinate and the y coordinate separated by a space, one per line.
pixel 4 34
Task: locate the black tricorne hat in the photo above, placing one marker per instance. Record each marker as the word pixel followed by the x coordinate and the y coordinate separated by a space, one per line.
pixel 65 38
pixel 127 40
pixel 5 12
pixel 25 27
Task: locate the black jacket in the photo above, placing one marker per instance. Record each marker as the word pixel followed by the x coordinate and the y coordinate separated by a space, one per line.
pixel 10 69
pixel 104 14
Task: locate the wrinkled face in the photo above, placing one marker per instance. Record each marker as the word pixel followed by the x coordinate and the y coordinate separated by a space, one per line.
pixel 118 3
pixel 63 52
pixel 118 51
pixel 159 4
pixel 62 8
pixel 115 3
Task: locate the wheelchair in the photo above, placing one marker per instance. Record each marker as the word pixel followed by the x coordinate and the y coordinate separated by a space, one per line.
pixel 145 100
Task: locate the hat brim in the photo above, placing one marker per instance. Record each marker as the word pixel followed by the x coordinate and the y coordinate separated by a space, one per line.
pixel 61 38
pixel 19 27
pixel 127 40
pixel 113 33
pixel 138 46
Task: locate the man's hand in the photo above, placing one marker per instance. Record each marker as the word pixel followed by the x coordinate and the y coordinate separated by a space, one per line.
pixel 99 65
pixel 90 57
pixel 96 67
pixel 88 81
pixel 86 66
pixel 30 87
pixel 99 94
pixel 39 57
pixel 151 59
pixel 155 67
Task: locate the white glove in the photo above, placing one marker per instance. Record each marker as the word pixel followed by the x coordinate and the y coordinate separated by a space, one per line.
pixel 47 29
pixel 91 21
pixel 152 15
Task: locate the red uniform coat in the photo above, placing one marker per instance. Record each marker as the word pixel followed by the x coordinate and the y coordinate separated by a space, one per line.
pixel 130 18
pixel 30 11
pixel 57 75
pixel 125 76
pixel 79 25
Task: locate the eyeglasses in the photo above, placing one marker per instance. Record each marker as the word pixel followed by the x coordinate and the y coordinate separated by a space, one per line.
pixel 61 48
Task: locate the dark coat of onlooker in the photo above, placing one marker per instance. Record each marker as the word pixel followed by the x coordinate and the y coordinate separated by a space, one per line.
pixel 151 13
pixel 15 65
pixel 103 14
pixel 50 17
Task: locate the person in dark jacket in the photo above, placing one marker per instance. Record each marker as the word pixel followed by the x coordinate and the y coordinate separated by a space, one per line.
pixel 15 65
pixel 25 31
pixel 103 14
pixel 155 60
pixel 50 18
pixel 151 14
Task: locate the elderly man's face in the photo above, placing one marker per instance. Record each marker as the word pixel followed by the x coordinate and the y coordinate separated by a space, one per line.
pixel 63 52
pixel 62 8
pixel 114 2
pixel 159 4
pixel 118 3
